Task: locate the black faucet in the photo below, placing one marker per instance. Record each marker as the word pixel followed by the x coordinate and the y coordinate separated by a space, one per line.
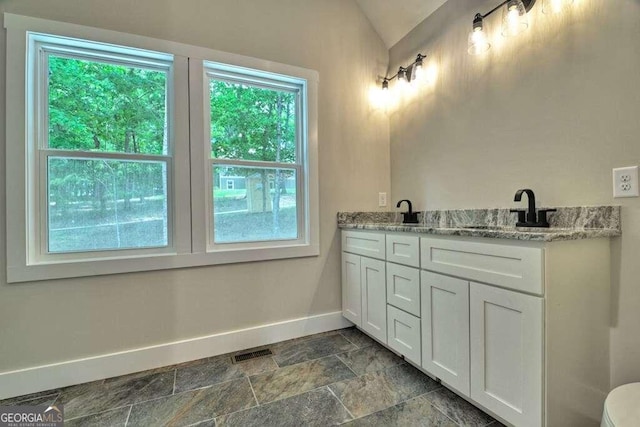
pixel 409 217
pixel 532 219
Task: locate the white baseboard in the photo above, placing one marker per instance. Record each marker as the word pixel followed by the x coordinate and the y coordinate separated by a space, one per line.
pixel 47 377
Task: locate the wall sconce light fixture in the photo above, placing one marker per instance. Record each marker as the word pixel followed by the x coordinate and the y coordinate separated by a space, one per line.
pixel 408 74
pixel 514 21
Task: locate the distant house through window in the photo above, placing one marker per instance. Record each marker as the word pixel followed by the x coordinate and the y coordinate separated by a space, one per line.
pixel 230 184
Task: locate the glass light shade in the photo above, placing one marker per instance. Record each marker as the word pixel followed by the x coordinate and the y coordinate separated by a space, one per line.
pixel 418 72
pixel 402 76
pixel 478 42
pixel 555 6
pixel 514 18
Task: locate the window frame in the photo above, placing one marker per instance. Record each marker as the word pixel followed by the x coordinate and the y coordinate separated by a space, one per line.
pixel 271 81
pixel 190 246
pixel 41 47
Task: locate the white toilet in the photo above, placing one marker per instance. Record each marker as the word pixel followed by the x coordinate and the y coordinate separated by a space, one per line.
pixel 622 407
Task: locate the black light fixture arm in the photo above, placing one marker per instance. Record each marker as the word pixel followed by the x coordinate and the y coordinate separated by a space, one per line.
pixel 406 70
pixel 528 4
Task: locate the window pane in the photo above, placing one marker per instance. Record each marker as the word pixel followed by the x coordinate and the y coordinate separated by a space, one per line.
pixel 254 204
pixel 95 106
pixel 106 204
pixel 252 123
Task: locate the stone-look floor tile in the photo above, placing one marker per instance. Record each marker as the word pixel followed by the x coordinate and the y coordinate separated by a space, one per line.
pixel 257 366
pixel 369 359
pixel 99 396
pixel 111 418
pixel 315 408
pixel 194 406
pixel 302 351
pixel 206 423
pixel 458 409
pixel 123 379
pixel 357 338
pixel 34 399
pixel 215 370
pixel 415 412
pixel 296 379
pixel 379 390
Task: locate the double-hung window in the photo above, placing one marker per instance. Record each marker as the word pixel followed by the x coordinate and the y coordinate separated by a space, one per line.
pixel 102 172
pixel 126 153
pixel 256 135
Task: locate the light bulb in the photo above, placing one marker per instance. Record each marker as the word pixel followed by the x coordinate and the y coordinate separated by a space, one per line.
pixel 478 42
pixel 403 82
pixel 555 6
pixel 514 19
pixel 418 72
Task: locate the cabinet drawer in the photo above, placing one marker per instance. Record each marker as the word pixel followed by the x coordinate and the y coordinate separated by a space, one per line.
pixel 403 288
pixel 364 243
pixel 403 249
pixel 403 333
pixel 514 267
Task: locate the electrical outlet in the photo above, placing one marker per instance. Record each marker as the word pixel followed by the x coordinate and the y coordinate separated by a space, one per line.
pixel 625 182
pixel 382 199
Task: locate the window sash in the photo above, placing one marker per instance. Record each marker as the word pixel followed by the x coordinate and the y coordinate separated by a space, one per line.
pixel 42 46
pixel 264 80
pixel 301 206
pixel 41 226
pixel 256 79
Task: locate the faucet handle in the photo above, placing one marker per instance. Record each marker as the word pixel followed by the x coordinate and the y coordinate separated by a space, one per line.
pixel 521 215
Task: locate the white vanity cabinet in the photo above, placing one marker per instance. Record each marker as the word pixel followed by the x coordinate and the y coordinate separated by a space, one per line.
pixel 351 288
pixel 519 328
pixel 445 329
pixel 403 295
pixel 506 343
pixel 364 299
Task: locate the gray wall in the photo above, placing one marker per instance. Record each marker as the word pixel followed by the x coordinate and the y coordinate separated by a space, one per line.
pixel 47 322
pixel 554 110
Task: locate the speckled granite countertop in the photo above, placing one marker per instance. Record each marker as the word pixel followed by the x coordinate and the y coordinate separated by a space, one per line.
pixel 568 223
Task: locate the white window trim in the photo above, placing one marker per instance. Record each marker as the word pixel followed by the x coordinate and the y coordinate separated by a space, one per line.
pixel 190 245
pixel 41 45
pixel 274 82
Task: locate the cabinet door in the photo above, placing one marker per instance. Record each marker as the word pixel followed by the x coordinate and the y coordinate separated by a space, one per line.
pixel 374 298
pixel 506 353
pixel 403 288
pixel 351 293
pixel 445 329
pixel 403 333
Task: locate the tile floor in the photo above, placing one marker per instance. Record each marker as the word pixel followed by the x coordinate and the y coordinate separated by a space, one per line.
pixel 339 377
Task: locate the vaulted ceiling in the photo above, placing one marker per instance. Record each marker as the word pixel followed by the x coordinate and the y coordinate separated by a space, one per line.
pixel 393 19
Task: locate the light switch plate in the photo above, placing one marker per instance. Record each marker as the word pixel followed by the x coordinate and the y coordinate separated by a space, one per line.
pixel 625 182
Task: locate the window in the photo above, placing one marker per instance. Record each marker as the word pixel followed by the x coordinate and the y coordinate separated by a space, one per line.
pixel 133 154
pixel 255 132
pixel 103 149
